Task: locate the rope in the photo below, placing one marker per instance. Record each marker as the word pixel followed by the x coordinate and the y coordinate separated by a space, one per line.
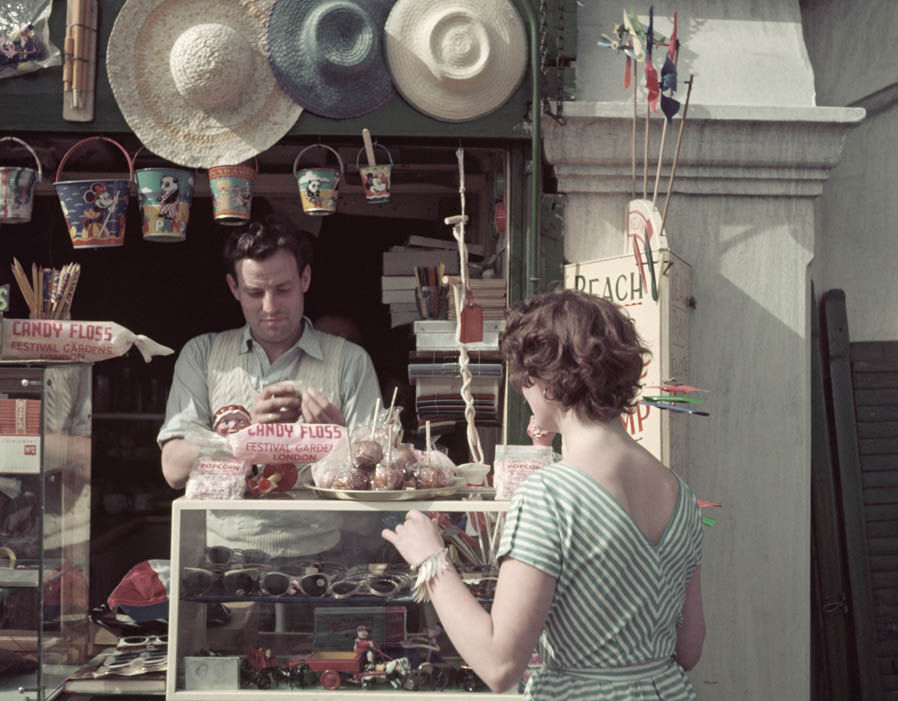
pixel 459 292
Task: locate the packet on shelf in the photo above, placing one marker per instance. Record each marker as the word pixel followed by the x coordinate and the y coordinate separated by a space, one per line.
pixel 515 463
pixel 217 477
pixel 78 341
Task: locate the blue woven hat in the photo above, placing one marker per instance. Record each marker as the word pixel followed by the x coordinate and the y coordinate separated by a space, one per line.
pixel 328 55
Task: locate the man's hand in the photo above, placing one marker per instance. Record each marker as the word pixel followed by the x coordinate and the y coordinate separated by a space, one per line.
pixel 317 409
pixel 278 403
pixel 282 402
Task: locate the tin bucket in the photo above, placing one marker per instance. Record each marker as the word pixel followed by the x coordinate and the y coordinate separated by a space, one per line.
pixel 95 210
pixel 318 186
pixel 376 178
pixel 164 195
pixel 232 192
pixel 17 188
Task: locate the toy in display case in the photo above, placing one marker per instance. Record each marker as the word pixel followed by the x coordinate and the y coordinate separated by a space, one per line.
pixel 301 595
pixel 45 451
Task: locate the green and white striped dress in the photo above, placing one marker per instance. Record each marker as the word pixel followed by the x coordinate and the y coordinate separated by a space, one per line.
pixel 612 628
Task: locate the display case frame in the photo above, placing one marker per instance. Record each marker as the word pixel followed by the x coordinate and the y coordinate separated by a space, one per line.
pixel 189 537
pixel 45 469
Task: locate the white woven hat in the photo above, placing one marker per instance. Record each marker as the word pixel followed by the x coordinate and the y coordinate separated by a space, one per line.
pixel 192 79
pixel 456 60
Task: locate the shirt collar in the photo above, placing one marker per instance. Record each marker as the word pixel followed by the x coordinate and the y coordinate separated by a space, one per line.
pixel 308 343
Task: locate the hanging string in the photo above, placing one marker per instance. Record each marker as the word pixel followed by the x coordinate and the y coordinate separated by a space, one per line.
pixel 459 295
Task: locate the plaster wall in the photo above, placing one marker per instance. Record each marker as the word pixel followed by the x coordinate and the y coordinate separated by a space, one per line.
pixel 749 52
pixel 855 248
pixel 756 154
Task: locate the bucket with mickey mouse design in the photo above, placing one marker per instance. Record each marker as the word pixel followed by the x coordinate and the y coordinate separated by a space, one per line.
pixel 95 209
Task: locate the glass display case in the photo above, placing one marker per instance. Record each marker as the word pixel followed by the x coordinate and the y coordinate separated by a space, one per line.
pixel 45 451
pixel 303 596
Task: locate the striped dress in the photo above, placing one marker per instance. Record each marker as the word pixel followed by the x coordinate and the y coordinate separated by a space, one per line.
pixel 612 628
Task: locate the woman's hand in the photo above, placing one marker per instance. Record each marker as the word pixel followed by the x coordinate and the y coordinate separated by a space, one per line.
pixel 416 539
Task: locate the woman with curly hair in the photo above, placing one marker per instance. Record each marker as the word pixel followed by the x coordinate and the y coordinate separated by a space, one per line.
pixel 601 552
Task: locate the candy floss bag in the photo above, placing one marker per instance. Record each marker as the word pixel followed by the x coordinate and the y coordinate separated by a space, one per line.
pixel 78 341
pixel 515 463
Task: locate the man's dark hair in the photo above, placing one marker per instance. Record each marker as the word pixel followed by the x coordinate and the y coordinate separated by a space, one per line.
pixel 262 239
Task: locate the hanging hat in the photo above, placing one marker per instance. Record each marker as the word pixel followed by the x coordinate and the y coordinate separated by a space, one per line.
pixel 456 59
pixel 193 82
pixel 328 55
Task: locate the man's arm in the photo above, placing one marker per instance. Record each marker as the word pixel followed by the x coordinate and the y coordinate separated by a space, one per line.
pixel 187 407
pixel 177 460
pixel 359 387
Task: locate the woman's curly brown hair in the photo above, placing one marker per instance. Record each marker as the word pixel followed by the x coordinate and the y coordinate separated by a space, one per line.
pixel 586 350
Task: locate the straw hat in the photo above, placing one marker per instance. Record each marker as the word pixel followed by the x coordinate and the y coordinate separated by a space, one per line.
pixel 456 59
pixel 328 54
pixel 193 82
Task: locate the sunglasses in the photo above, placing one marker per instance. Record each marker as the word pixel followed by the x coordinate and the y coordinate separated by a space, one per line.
pixel 381 585
pixel 221 556
pixel 142 641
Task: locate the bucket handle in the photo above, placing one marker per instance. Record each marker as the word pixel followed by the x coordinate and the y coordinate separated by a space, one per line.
pixel 30 150
pixel 95 138
pixel 375 144
pixel 299 155
pixel 171 167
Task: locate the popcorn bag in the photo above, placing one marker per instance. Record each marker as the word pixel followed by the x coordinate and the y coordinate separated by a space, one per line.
pixel 217 477
pixel 515 463
pixel 78 341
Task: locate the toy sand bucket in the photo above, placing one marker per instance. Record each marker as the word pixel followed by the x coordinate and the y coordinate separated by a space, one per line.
pixel 17 188
pixel 164 195
pixel 375 178
pixel 318 186
pixel 95 210
pixel 232 192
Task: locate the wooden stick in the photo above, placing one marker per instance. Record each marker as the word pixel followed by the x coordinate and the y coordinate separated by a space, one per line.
pixel 79 32
pixel 374 417
pixel 427 436
pixel 369 147
pixel 645 149
pixel 673 168
pixel 24 286
pixel 68 60
pixel 658 170
pixel 392 404
pixel 633 135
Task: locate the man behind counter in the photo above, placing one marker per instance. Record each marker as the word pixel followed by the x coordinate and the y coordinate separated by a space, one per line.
pixel 254 367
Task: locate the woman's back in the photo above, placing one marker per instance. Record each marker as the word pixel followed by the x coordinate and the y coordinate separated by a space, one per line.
pixel 621 578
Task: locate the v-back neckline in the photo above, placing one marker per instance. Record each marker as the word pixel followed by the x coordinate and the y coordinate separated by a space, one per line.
pixel 626 514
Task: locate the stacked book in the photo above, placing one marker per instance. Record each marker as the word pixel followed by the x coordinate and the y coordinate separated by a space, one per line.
pixel 440 336
pixel 490 294
pixel 412 282
pixel 438 395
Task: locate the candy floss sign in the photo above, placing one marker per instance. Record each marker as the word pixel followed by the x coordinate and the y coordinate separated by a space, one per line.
pixel 267 443
pixel 79 341
pixel 664 328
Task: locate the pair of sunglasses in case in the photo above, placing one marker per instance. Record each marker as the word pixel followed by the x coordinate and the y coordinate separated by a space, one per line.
pixel 248 581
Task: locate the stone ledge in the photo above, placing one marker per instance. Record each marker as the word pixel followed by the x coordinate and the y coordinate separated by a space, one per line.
pixel 726 150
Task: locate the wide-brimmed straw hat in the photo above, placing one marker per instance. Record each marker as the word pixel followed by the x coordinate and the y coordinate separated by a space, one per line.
pixel 328 54
pixel 193 82
pixel 456 60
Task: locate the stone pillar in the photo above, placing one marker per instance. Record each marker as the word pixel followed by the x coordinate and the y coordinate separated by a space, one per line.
pixel 742 214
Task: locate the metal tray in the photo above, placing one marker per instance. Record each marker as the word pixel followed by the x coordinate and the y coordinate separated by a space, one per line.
pixel 385 494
